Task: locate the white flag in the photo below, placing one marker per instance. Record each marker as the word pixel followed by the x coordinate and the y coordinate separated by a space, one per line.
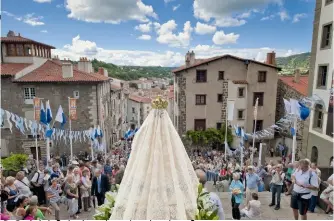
pixel 230 110
pixel 295 107
pixel 287 106
pixel 255 108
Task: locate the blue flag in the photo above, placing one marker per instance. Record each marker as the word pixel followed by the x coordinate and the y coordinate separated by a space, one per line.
pixel 48 112
pixel 43 114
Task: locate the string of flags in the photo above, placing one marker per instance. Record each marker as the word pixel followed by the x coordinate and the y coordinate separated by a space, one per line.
pixel 34 128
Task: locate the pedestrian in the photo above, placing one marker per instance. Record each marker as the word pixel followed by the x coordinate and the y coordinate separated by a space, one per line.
pixel 304 181
pixel 314 197
pixel 30 213
pixel 327 194
pixel 77 181
pixel 23 184
pixel 252 181
pixel 53 194
pixel 288 182
pixel 100 185
pixel 107 169
pixel 38 187
pixel 236 189
pixel 276 186
pixel 19 211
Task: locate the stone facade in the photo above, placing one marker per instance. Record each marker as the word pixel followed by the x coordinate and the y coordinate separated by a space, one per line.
pixel 287 92
pixel 182 104
pixel 224 103
pixel 88 110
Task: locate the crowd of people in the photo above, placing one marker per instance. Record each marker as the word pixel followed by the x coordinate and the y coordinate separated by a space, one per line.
pixel 79 184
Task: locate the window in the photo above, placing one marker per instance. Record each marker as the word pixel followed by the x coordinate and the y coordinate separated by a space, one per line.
pixel 27 50
pixel 19 50
pixel 133 110
pixel 328 2
pixel 200 76
pixel 259 125
pixel 260 96
pixel 200 124
pixel 318 116
pixel 262 76
pixel 200 99
pixel 326 36
pixel 322 76
pixel 220 98
pixel 11 50
pixel 241 92
pixel 219 126
pixel 29 93
pixel 119 96
pixel 76 94
pixel 240 114
pixel 221 75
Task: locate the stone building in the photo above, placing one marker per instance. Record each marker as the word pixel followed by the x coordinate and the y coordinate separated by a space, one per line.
pixel 138 108
pixel 203 86
pixel 27 71
pixel 320 138
pixel 294 87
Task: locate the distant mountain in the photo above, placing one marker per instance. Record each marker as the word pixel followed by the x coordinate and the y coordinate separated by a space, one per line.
pixel 129 73
pixel 297 61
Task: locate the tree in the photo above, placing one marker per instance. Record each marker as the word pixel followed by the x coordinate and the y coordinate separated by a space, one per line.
pixel 133 85
pixel 15 162
pixel 209 137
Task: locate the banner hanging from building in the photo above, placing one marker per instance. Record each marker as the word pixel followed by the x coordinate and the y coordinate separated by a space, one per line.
pixel 73 108
pixel 37 108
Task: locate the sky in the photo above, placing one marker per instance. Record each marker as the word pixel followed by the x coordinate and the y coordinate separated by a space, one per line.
pixel 160 32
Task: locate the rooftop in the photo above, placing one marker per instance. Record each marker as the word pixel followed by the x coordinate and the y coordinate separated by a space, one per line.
pixel 12 38
pixel 140 99
pixel 300 87
pixel 199 62
pixel 10 69
pixel 51 71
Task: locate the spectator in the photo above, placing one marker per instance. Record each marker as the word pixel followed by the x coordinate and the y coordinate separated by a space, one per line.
pixel 253 211
pixel 22 184
pixel 85 189
pixel 213 197
pixel 100 186
pixel 252 180
pixel 314 197
pixel 71 191
pixel 304 181
pixel 30 213
pixel 21 203
pixel 327 194
pixel 107 169
pixel 236 188
pixel 276 187
pixel 54 197
pixel 119 175
pixel 288 181
pixel 12 193
pixel 37 183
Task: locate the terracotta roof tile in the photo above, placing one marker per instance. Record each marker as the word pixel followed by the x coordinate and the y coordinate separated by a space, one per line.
pixel 10 69
pixel 240 82
pixel 51 71
pixel 20 39
pixel 300 87
pixel 140 99
pixel 204 61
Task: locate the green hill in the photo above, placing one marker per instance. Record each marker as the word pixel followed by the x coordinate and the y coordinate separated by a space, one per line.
pixel 290 63
pixel 129 73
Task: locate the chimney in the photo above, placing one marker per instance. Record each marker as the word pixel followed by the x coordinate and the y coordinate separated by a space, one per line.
pixel 10 34
pixel 190 58
pixel 271 58
pixel 297 76
pixel 85 65
pixel 102 71
pixel 67 69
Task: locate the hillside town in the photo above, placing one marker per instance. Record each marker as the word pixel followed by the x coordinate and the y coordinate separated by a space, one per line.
pixel 239 128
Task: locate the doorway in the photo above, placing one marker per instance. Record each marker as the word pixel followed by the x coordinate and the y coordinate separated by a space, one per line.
pixel 314 155
pixel 33 152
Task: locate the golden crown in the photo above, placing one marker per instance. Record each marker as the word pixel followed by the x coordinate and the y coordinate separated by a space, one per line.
pixel 159 103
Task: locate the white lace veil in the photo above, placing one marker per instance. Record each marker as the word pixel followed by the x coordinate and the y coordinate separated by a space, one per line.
pixel 159 181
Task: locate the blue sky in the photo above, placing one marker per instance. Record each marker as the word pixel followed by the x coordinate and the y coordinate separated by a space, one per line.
pixel 160 32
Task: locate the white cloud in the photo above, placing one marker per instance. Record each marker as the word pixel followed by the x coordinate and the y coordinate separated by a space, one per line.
pixel 203 29
pixel 176 7
pixel 229 13
pixel 44 31
pixel 11 15
pixel 32 20
pixel 284 15
pixel 144 27
pixel 144 37
pixel 297 17
pixel 259 54
pixel 229 22
pixel 270 17
pixel 166 35
pixel 109 11
pixel 42 1
pixel 168 1
pixel 59 5
pixel 79 48
pixel 221 38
